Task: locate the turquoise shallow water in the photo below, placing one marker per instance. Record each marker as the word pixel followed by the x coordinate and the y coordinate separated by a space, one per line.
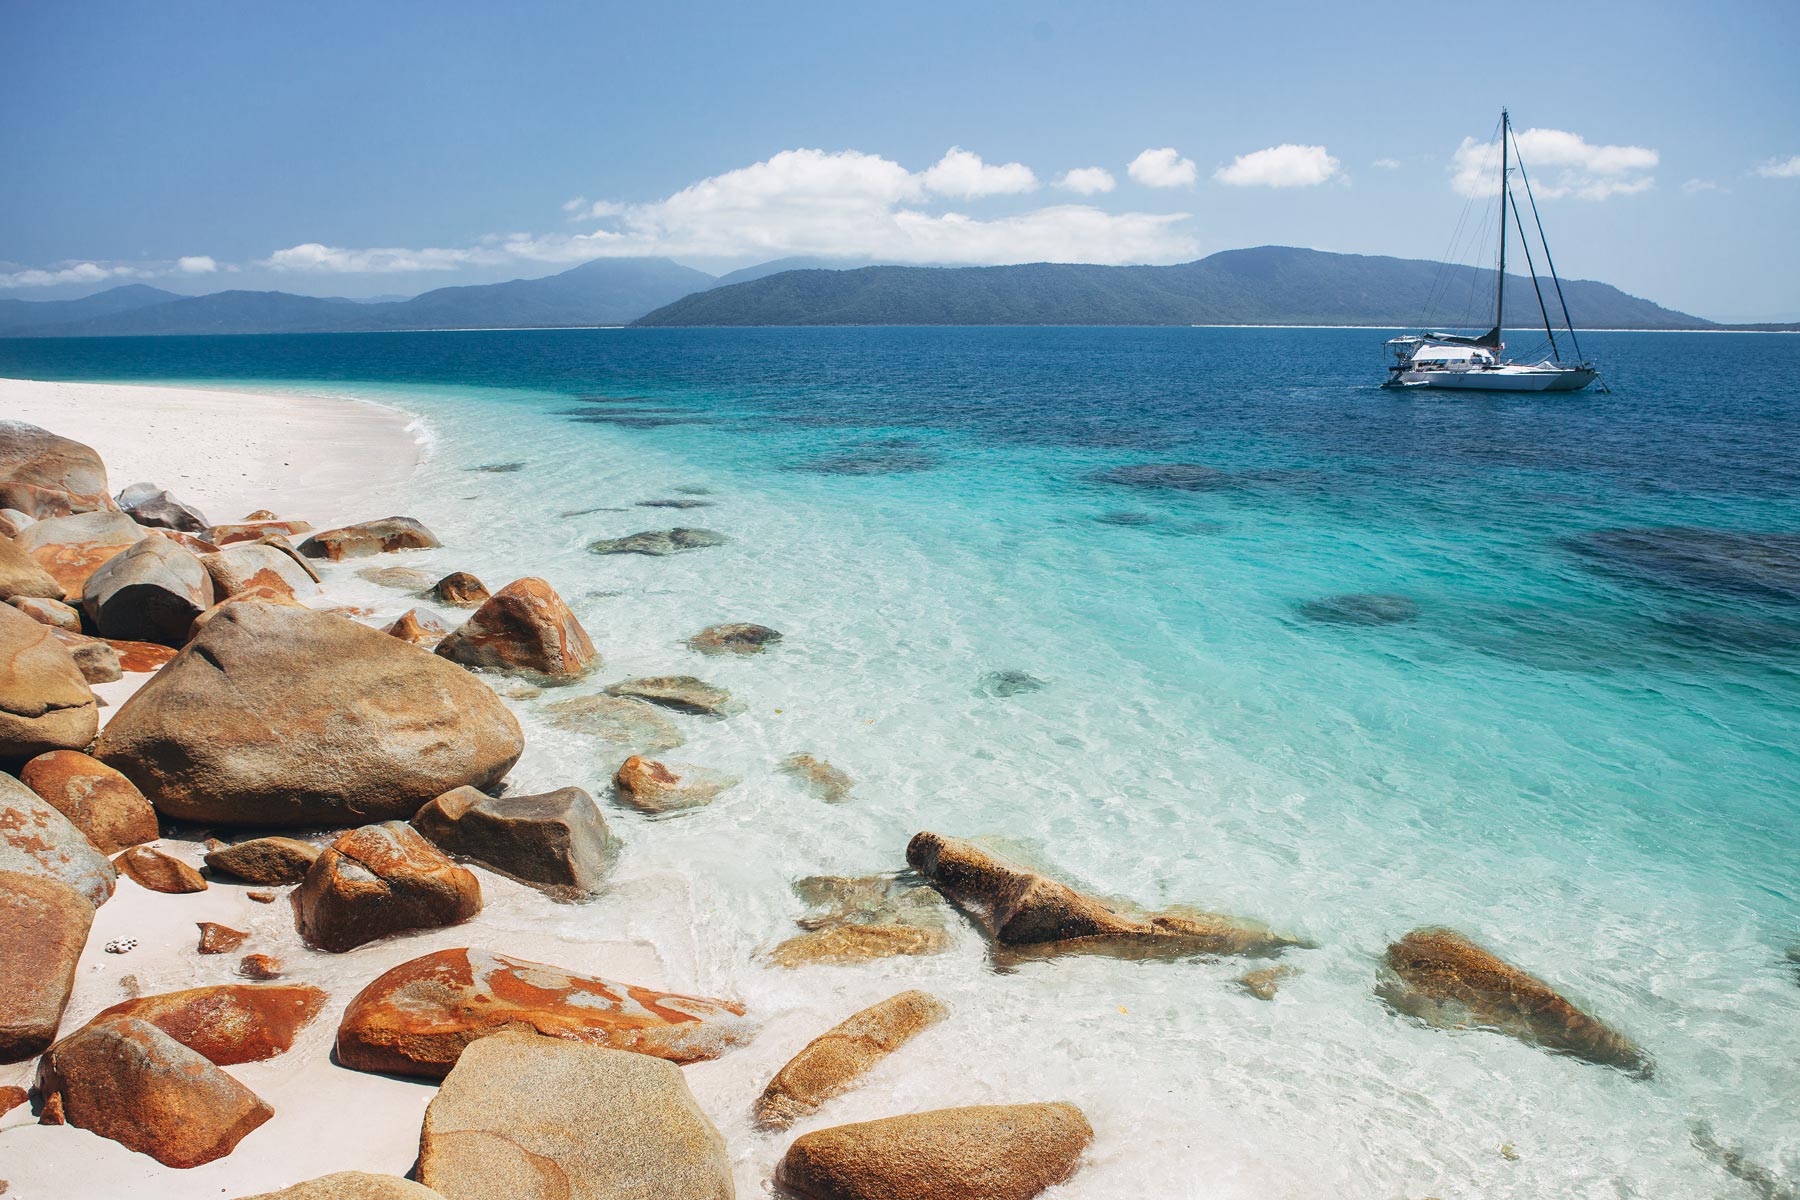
pixel 1580 746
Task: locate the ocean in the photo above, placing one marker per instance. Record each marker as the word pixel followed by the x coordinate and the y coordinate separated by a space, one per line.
pixel 1191 616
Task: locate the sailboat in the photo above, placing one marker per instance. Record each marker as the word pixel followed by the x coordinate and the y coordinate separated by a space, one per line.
pixel 1474 363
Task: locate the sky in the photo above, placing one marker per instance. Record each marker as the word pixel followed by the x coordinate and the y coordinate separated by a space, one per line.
pixel 385 149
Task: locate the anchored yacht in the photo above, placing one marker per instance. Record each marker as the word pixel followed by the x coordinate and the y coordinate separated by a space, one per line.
pixel 1474 363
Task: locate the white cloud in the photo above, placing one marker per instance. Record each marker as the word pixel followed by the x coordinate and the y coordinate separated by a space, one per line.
pixel 196 264
pixel 574 204
pixel 1387 164
pixel 961 173
pixel 1777 168
pixel 1286 165
pixel 1567 165
pixel 315 258
pixel 1693 186
pixel 1085 181
pixel 81 272
pixel 1162 168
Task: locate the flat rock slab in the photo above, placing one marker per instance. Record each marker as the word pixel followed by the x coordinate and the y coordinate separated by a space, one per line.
pixel 556 841
pixel 829 783
pixel 35 839
pixel 737 637
pixel 352 1185
pixel 848 945
pixel 1441 977
pixel 44 924
pixel 533 1118
pixel 831 1063
pixel 659 542
pixel 230 1023
pixel 682 693
pixel 381 880
pixel 99 801
pixel 402 579
pixel 419 1017
pixel 253 531
pixel 129 1081
pixel 621 724
pixel 45 701
pixel 369 537
pixel 991 1151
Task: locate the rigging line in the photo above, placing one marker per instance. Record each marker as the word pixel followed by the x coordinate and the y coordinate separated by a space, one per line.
pixel 1548 261
pixel 1443 280
pixel 1532 267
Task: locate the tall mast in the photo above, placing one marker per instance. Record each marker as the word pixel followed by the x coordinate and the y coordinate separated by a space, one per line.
pixel 1500 300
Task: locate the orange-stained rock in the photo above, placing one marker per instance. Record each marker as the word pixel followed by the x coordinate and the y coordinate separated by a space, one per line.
pixel 417 1018
pixel 44 924
pixel 259 966
pixel 459 589
pixel 219 939
pixel 988 1151
pixel 280 716
pixel 129 1081
pixel 265 860
pixel 230 1023
pixel 11 1098
pixel 45 702
pixel 256 595
pixel 831 1063
pixel 352 1185
pixel 38 840
pixel 261 897
pixel 21 578
pixel 369 537
pixel 249 530
pixel 379 880
pixel 47 475
pixel 1020 908
pixel 262 514
pixel 151 868
pixel 255 567
pixel 53 613
pixel 99 801
pixel 846 945
pixel 1444 979
pixel 96 659
pixel 72 548
pixel 1264 982
pixel 524 627
pixel 288 548
pixel 419 628
pixel 655 787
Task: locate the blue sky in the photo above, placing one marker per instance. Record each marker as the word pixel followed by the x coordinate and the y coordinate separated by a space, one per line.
pixel 362 149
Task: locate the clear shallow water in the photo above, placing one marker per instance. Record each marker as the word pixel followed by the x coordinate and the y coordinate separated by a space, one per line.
pixel 1590 764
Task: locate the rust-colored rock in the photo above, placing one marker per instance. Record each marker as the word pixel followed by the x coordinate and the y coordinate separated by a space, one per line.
pixel 45 474
pixel 72 548
pixel 352 1185
pixel 419 628
pixel 260 897
pixel 96 659
pixel 524 627
pixel 379 880
pixel 260 966
pixel 1442 978
pixel 45 703
pixel 1264 982
pixel 255 567
pixel 654 787
pixel 369 537
pixel 99 801
pixel 21 578
pixel 278 542
pixel 846 945
pixel 990 1151
pixel 38 840
pixel 1022 910
pixel 53 613
pixel 281 716
pixel 44 924
pixel 417 1018
pixel 262 514
pixel 219 939
pixel 459 589
pixel 151 868
pixel 129 1081
pixel 231 1023
pixel 831 1063
pixel 249 530
pixel 265 859
pixel 149 592
pixel 11 1098
pixel 832 784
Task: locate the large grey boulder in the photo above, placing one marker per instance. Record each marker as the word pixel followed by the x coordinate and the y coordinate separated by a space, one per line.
pixel 281 716
pixel 557 842
pixel 155 507
pixel 150 593
pixel 46 475
pixel 36 839
pixel 536 1118
pixel 45 703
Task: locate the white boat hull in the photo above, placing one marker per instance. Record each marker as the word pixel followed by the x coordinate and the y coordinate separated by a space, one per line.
pixel 1508 378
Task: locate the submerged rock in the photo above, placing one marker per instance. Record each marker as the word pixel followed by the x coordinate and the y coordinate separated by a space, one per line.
pixel 1127 520
pixel 419 1017
pixel 1733 561
pixel 847 945
pixel 265 859
pixel 230 1023
pixel 681 502
pixel 655 787
pixel 401 579
pixel 128 1081
pixel 901 457
pixel 831 1063
pixel 1003 684
pixel 736 637
pixel 46 475
pixel 282 716
pixel 829 783
pixel 44 925
pixel 855 919
pixel 369 537
pixel 149 593
pixel 683 693
pixel 524 627
pixel 1442 978
pixel 533 1118
pixel 505 468
pixel 991 1151
pixel 618 723
pixel 1360 608
pixel 1264 982
pixel 659 542
pixel 1180 477
pixel 557 841
pixel 1022 910
pixel 381 880
pixel 99 801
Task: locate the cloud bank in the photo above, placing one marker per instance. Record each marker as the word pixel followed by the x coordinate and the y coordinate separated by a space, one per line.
pixel 1281 166
pixel 1566 164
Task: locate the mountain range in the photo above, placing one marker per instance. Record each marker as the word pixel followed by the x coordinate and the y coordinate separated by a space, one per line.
pixel 1268 285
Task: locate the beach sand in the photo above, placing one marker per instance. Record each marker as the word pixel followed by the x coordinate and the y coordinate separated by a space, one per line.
pixel 329 460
